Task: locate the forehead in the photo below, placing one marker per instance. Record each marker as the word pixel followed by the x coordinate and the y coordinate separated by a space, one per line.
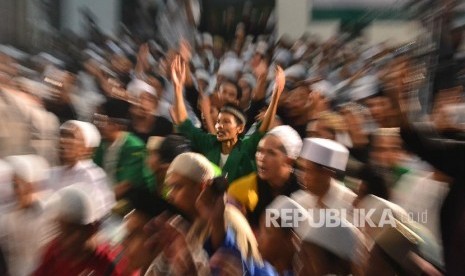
pixel 71 131
pixel 228 86
pixel 270 142
pixel 177 179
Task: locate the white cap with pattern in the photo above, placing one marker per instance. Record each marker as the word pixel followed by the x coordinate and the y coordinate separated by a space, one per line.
pixel 325 152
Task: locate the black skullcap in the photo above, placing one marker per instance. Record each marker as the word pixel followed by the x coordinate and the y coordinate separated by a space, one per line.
pixel 148 203
pixel 172 146
pixel 116 109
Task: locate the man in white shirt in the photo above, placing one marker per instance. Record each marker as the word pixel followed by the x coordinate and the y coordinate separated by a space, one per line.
pixel 28 227
pixel 77 142
pixel 318 164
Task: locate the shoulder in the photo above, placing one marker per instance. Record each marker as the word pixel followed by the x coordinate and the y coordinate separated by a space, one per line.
pixel 133 140
pixel 244 183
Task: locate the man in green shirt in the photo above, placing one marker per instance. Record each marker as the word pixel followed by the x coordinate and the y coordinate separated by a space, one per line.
pixel 234 155
pixel 121 154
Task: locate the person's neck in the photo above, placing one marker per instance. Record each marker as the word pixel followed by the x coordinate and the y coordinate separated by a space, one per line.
pixel 323 189
pixel 70 165
pixel 143 122
pixel 115 136
pixel 277 184
pixel 228 146
pixel 283 264
pixel 300 120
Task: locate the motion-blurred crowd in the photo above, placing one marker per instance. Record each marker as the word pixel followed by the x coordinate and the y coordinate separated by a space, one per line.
pixel 139 160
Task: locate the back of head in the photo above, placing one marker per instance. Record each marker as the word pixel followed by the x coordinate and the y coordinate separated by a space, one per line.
pixel 172 146
pixel 193 166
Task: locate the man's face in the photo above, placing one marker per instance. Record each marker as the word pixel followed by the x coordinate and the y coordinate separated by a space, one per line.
pixel 72 145
pixel 183 193
pixel 228 93
pixel 273 241
pixel 387 151
pixel 312 176
pixel 271 158
pixel 137 254
pixel 296 102
pixel 379 108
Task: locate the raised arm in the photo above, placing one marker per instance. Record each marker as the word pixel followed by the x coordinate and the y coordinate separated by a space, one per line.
pixel 178 76
pixel 280 80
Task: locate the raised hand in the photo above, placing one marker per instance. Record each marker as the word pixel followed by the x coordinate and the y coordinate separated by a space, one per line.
pixel 280 80
pixel 178 73
pixel 261 70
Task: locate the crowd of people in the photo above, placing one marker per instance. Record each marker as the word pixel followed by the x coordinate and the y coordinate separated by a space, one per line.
pixel 142 161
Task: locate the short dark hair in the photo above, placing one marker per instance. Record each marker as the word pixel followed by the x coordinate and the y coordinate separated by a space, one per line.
pixel 172 146
pixel 238 88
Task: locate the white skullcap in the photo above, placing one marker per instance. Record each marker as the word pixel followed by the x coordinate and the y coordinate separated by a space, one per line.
pixel 193 166
pixel 31 168
pixel 283 57
pixel 282 206
pixel 289 138
pixel 325 88
pixel 207 39
pixel 48 58
pixel 296 71
pixel 300 52
pixel 343 240
pixel 325 152
pixel 13 52
pixel 89 132
pixel 229 68
pixel 137 87
pixel 261 48
pixel 78 204
pixel 52 74
pixel 249 79
pixel 93 55
pixel 202 74
pixel 33 87
pixel 364 87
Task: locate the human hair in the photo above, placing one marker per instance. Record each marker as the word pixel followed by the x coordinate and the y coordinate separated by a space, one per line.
pixel 236 86
pixel 236 111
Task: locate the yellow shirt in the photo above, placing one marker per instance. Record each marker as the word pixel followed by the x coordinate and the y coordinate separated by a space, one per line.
pixel 245 191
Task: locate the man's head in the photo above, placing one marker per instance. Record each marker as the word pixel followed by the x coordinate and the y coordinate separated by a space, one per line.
pixel 276 153
pixel 387 149
pixel 319 161
pixel 146 206
pixel 275 238
pixel 230 92
pixel 29 171
pixel 79 213
pixel 112 119
pixel 78 141
pixel 230 123
pixel 163 150
pixel 187 175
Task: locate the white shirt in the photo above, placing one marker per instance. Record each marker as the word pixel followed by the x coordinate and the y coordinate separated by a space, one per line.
pixel 223 159
pixel 23 235
pixel 337 197
pixel 87 173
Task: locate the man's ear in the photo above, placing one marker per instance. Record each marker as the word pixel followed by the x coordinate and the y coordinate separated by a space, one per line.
pixel 241 128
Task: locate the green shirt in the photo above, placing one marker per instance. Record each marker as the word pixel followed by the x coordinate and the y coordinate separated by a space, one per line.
pixel 241 160
pixel 130 163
